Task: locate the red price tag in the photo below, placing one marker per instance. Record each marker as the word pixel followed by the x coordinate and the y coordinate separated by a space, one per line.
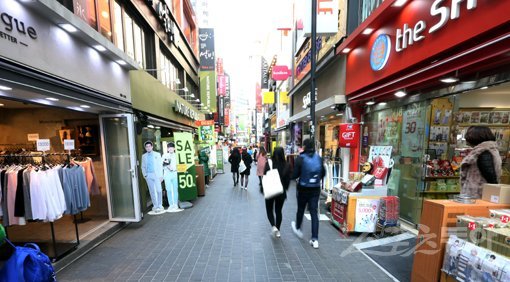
pixel 505 218
pixel 491 225
pixel 471 226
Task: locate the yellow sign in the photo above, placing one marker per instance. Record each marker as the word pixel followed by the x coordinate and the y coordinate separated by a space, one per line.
pixel 284 97
pixel 268 98
pixel 182 167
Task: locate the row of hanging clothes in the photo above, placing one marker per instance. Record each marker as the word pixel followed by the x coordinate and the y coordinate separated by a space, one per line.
pixel 37 187
pixel 333 167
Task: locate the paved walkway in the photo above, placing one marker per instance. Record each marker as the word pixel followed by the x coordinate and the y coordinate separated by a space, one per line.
pixel 224 237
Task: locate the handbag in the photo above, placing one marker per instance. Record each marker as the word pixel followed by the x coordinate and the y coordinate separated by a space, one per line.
pixel 242 166
pixel 271 183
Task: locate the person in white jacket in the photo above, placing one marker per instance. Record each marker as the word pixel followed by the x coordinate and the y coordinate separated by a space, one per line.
pixel 152 170
pixel 170 176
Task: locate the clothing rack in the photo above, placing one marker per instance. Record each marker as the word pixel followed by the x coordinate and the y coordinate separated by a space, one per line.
pixel 57 250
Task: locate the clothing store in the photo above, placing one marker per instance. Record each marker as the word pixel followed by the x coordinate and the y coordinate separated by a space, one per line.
pixel 67 133
pixel 418 78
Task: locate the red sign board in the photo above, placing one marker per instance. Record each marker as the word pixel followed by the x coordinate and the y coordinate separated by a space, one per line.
pixel 349 135
pixel 204 122
pixel 222 85
pixel 416 34
pixel 280 73
pixel 219 66
pixel 258 97
pixel 227 117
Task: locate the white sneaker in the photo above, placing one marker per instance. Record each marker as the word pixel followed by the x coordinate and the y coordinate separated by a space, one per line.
pixel 152 213
pixel 296 231
pixel 314 244
pixel 246 188
pixel 274 230
pixel 277 234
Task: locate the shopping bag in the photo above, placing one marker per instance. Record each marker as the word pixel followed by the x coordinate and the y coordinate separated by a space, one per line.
pixel 242 166
pixel 271 183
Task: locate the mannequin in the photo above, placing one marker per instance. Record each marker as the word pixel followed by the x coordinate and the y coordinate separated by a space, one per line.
pixel 170 176
pixel 153 173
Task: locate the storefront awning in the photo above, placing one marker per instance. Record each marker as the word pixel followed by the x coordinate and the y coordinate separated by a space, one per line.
pixel 322 108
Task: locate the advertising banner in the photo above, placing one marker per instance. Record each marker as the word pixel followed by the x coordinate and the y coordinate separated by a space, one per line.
pixel 219 161
pixel 349 135
pixel 227 117
pixel 280 73
pixel 205 133
pixel 327 17
pixel 258 97
pixel 186 170
pixel 268 98
pixel 264 79
pixel 221 85
pixel 219 66
pixel 366 215
pixel 208 90
pixel 221 110
pixel 227 91
pixel 413 129
pixel 206 45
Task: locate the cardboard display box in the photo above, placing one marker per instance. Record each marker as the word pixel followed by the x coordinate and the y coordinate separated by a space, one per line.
pixel 496 193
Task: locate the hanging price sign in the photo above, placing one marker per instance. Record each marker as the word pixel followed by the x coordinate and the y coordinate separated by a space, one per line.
pixel 43 145
pixel 68 144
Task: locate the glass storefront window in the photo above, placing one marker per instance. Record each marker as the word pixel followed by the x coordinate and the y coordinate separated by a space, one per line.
pixel 128 28
pixel 139 46
pixel 86 10
pixel 105 25
pixel 119 35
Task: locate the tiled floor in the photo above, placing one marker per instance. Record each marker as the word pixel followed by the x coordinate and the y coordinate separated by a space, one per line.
pixel 224 237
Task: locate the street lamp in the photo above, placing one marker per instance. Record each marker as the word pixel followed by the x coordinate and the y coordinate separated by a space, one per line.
pixel 313 55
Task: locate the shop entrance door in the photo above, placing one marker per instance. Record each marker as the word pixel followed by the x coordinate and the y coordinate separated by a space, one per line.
pixel 118 141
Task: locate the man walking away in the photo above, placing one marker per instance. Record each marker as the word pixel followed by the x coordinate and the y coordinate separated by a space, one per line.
pixel 309 169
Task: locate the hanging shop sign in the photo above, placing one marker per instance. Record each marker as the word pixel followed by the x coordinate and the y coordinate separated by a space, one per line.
pixel 205 133
pixel 219 160
pixel 268 98
pixel 33 136
pixel 68 144
pixel 43 145
pixel 185 110
pixel 164 15
pixel 208 89
pixel 204 122
pixel 349 135
pixel 419 32
pixel 206 46
pixel 264 71
pixel 280 73
pixel 186 170
pixel 221 85
pixel 327 17
pixel 307 100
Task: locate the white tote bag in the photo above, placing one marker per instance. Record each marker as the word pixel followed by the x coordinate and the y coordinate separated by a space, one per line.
pixel 242 166
pixel 271 182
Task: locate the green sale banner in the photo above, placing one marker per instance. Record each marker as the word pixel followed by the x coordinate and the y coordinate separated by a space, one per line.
pixel 186 169
pixel 219 160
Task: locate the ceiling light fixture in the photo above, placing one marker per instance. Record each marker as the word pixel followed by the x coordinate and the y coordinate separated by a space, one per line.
pixel 382 104
pixel 400 94
pixel 68 27
pixel 370 103
pixel 449 80
pixel 1 105
pixel 52 99
pixel 121 62
pixel 340 114
pixel 85 106
pixel 399 3
pixel 485 87
pixel 346 50
pixel 99 48
pixel 5 88
pixel 367 31
pixel 150 126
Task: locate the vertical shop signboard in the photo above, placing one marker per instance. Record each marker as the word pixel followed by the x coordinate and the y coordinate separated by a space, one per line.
pixel 186 169
pixel 219 160
pixel 349 135
pixel 208 89
pixel 367 211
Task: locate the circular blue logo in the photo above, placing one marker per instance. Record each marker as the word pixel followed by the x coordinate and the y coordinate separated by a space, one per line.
pixel 380 52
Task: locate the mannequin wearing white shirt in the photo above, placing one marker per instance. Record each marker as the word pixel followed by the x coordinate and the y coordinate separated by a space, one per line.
pixel 152 171
pixel 170 176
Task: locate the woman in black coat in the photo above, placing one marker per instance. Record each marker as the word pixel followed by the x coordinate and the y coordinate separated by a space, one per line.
pixel 234 160
pixel 246 173
pixel 275 205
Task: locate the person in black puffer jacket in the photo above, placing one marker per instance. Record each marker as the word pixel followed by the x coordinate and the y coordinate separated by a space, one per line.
pixel 246 173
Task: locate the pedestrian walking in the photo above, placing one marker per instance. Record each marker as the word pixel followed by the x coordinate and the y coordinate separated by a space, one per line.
pixel 309 170
pixel 274 205
pixel 245 175
pixel 261 165
pixel 234 159
pixel 255 154
pixel 152 171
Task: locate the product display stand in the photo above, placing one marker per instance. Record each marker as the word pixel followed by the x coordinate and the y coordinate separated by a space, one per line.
pixel 57 249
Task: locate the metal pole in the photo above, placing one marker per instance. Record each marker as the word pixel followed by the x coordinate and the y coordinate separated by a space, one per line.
pixel 313 56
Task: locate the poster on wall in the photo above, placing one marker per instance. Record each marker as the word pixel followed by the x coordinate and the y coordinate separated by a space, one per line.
pixel 219 160
pixel 186 170
pixel 349 135
pixel 367 211
pixel 389 123
pixel 413 131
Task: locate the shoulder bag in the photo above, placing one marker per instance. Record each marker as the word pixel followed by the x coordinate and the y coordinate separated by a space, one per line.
pixel 271 183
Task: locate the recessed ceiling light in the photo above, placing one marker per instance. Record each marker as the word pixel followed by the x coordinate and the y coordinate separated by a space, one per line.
pixel 367 31
pixel 449 79
pixel 382 104
pixel 121 62
pixel 400 94
pixel 52 99
pixel 485 87
pixel 340 114
pixel 150 126
pixel 99 48
pixel 346 50
pixel 399 3
pixel 68 27
pixel 370 103
pixel 332 107
pixel 5 88
pixel 1 105
pixel 85 106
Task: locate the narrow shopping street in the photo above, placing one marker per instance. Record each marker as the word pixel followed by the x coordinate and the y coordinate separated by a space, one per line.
pixel 224 237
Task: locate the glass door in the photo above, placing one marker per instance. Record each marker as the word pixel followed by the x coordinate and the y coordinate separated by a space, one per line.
pixel 118 143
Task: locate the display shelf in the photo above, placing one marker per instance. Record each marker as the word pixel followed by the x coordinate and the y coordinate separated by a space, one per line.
pixel 432 178
pixel 440 192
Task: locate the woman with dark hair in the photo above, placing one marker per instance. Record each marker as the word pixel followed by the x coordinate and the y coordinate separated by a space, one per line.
pixel 234 160
pixel 246 173
pixel 261 164
pixel 275 205
pixel 483 164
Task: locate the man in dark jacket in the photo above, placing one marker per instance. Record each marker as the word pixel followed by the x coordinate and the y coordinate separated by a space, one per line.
pixel 309 170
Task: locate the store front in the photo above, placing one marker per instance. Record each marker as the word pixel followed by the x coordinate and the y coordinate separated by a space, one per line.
pixel 160 114
pixel 57 118
pixel 419 80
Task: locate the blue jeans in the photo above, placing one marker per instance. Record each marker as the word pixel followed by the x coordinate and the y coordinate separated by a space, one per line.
pixel 155 190
pixel 311 199
pixel 171 188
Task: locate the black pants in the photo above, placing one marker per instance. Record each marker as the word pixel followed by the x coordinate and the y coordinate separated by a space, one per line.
pixel 275 204
pixel 207 180
pixel 310 198
pixel 235 177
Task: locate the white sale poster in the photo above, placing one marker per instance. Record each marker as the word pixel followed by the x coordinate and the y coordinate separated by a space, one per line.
pixel 367 211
